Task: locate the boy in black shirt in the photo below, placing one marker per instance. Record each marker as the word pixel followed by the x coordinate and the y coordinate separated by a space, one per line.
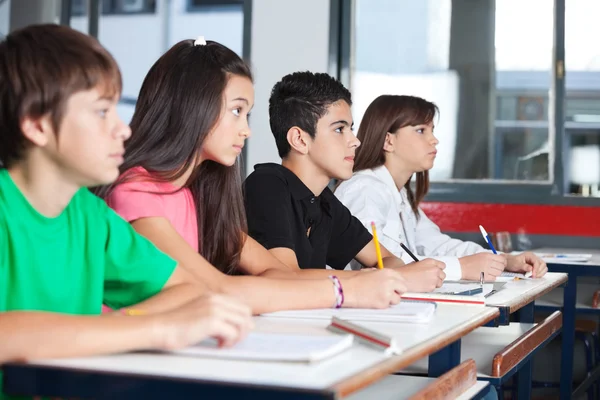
pixel 290 209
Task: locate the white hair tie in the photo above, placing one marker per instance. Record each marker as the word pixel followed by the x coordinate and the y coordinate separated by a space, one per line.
pixel 200 41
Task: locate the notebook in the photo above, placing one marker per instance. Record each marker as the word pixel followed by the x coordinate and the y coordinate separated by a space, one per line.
pixel 405 311
pixel 508 276
pixel 258 346
pixel 565 257
pixel 454 293
pixel 366 336
pixel 561 257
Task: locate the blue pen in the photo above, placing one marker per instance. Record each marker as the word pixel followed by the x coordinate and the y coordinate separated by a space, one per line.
pixel 487 239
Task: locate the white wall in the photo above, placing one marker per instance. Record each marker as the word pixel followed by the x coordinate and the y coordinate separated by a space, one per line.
pixel 223 24
pixel 137 41
pixel 287 36
pixel 27 12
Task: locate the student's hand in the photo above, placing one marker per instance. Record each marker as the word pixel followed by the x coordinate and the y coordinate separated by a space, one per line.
pixel 374 288
pixel 423 276
pixel 220 317
pixel 490 264
pixel 526 262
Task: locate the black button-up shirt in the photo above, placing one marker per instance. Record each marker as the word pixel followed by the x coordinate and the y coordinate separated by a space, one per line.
pixel 283 212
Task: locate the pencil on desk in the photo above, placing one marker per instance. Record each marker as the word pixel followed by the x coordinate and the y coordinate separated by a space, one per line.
pixel 377 247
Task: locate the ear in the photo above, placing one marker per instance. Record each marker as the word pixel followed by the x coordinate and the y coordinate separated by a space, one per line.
pixel 37 130
pixel 296 137
pixel 388 145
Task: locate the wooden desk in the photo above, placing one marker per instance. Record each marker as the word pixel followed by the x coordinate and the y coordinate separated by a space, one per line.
pixel 519 296
pixel 458 384
pixel 154 376
pixel 504 351
pixel 569 307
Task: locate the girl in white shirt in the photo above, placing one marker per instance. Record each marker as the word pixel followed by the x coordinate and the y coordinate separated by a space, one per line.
pixel 397 139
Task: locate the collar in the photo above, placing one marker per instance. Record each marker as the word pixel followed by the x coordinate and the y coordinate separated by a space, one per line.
pixel 298 189
pixel 384 175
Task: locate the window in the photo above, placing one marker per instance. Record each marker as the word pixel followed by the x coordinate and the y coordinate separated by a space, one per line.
pixel 582 103
pixel 487 68
pixel 112 7
pixel 137 39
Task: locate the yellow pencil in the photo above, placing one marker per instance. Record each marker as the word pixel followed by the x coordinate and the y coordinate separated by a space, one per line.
pixel 377 248
pixel 132 312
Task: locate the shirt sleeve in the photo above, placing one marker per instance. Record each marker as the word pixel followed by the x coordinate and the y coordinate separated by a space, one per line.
pixel 135 269
pixel 269 210
pixel 431 241
pixel 348 238
pixel 135 200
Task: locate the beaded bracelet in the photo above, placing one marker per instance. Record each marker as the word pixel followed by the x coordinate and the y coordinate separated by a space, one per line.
pixel 339 291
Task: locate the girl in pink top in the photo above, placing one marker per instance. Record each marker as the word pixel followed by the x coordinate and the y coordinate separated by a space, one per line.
pixel 180 186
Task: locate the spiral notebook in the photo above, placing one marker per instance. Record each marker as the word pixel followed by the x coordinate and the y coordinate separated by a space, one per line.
pixel 405 311
pixel 259 346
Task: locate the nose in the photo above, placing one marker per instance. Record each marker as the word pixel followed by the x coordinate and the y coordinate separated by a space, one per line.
pixel 246 133
pixel 434 140
pixel 122 130
pixel 354 142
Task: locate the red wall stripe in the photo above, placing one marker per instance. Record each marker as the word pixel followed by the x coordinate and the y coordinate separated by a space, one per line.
pixel 515 218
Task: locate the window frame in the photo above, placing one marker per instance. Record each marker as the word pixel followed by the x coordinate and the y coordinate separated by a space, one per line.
pixel 555 191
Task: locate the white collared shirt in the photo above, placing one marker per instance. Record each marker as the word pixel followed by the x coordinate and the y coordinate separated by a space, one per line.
pixel 371 195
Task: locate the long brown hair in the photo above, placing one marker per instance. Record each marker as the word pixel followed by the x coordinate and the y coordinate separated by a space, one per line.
pixel 388 113
pixel 179 104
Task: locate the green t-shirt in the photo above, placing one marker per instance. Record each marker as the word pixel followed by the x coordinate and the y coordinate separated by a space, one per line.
pixel 73 263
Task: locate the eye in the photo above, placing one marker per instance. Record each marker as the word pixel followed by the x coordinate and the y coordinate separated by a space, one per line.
pixel 339 129
pixel 248 116
pixel 421 130
pixel 237 111
pixel 102 113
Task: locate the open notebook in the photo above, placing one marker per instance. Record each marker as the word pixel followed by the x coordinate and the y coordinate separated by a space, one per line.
pixel 454 293
pixel 258 346
pixel 508 276
pixel 405 311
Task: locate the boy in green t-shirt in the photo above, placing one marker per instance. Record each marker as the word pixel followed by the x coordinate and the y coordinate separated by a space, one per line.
pixel 63 252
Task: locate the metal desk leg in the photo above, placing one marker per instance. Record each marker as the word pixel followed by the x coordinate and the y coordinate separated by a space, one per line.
pixel 444 360
pixel 523 381
pixel 524 376
pixel 525 314
pixel 568 338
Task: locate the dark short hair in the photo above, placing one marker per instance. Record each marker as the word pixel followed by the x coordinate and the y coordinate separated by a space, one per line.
pixel 41 67
pixel 301 99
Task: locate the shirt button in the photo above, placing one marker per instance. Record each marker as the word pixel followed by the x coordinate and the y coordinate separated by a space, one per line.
pixel 312 200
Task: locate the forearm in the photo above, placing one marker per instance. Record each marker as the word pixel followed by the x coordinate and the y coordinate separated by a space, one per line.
pixel 312 273
pixel 34 335
pixel 392 262
pixel 172 297
pixel 268 295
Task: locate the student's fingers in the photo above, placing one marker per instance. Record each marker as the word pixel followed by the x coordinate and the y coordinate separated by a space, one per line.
pixel 229 310
pixel 494 270
pixel 441 275
pixel 400 286
pixel 395 297
pixel 227 334
pixel 542 272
